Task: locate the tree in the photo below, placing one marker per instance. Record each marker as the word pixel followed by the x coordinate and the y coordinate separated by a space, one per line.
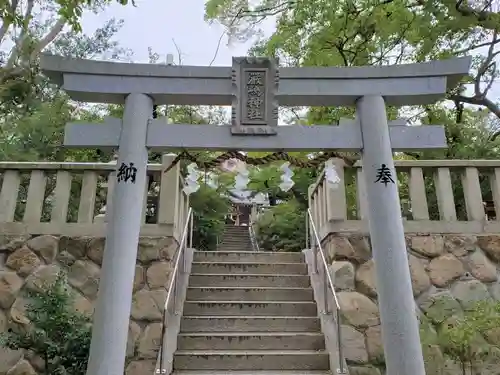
pixel 375 32
pixel 381 32
pixel 16 13
pixel 209 213
pixel 33 111
pixel 28 28
pixel 58 333
pixel 282 227
pixel 461 337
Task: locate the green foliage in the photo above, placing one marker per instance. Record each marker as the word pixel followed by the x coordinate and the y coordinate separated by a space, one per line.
pixel 58 333
pixel 71 10
pixel 374 32
pixel 266 179
pixel 462 337
pixel 209 210
pixel 282 227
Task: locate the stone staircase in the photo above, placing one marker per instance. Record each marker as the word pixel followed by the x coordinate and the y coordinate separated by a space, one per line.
pixel 235 238
pixel 250 313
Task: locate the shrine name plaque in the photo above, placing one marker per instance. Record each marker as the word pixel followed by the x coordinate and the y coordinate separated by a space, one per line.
pixel 254 108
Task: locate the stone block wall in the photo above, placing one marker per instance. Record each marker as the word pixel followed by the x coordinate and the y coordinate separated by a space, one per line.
pixel 26 262
pixel 455 271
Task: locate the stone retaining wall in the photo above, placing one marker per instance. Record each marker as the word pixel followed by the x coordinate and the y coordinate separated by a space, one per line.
pixel 26 262
pixel 455 271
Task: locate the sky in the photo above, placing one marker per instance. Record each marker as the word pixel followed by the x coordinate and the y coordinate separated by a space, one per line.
pixel 154 23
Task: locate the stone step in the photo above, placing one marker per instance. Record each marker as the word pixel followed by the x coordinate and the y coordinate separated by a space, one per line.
pixel 251 341
pixel 251 360
pixel 239 248
pixel 236 247
pixel 250 267
pixel 248 256
pixel 250 324
pixel 249 280
pixel 233 228
pixel 235 243
pixel 249 294
pixel 251 372
pixel 226 248
pixel 262 308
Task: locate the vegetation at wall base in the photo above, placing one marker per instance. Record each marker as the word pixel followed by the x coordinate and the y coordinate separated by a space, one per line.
pixel 467 338
pixel 57 332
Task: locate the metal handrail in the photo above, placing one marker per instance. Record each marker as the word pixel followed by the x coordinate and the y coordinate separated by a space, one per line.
pixel 172 288
pixel 253 237
pixel 327 282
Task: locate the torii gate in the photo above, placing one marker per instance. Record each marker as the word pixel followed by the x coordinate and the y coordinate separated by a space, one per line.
pixel 254 88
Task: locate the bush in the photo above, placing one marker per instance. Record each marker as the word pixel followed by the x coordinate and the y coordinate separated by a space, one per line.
pixel 58 333
pixel 209 211
pixel 282 228
pixel 462 337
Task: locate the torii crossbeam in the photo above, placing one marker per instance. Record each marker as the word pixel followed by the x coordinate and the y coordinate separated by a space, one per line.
pixel 345 137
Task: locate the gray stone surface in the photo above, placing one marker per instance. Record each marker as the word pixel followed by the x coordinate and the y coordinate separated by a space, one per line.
pixel 329 86
pixel 163 136
pixel 469 292
pixel 354 342
pixel 439 305
pixel 444 269
pixel 365 279
pixel 463 270
pixel 358 310
pixel 481 267
pixel 255 82
pixel 343 274
pixel 55 253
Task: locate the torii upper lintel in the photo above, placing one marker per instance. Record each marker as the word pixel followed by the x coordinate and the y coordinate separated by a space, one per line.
pixel 110 82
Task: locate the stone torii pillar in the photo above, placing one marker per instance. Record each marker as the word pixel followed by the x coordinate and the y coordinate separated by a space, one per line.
pixel 251 86
pixel 112 311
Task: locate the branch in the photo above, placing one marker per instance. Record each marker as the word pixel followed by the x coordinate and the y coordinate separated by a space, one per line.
pixel 267 11
pixel 478 101
pixel 179 52
pixel 479 97
pixel 7 23
pixel 19 46
pixel 49 38
pixel 484 18
pixel 476 46
pixel 222 36
pixel 485 66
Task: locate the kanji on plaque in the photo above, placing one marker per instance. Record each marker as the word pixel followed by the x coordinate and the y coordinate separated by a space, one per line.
pixel 256 90
pixel 256 78
pixel 255 105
